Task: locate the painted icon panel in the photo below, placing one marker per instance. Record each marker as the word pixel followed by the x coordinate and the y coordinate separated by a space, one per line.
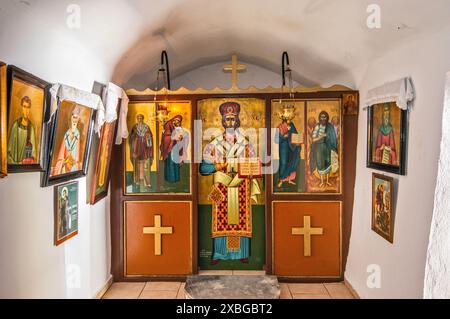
pixel 3 123
pixel 71 138
pixel 158 149
pixel 387 138
pixel 231 201
pixel 66 212
pixel 350 102
pixel 25 116
pixel 27 109
pixel 383 206
pixel 324 152
pixel 103 161
pixel 288 146
pixel 71 132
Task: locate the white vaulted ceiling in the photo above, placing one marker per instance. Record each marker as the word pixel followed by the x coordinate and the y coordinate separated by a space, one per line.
pixel 326 39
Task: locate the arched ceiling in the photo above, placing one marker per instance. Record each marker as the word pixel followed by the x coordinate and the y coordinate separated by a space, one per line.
pixel 326 39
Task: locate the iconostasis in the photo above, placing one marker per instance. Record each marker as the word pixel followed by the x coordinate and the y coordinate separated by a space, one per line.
pixel 235 181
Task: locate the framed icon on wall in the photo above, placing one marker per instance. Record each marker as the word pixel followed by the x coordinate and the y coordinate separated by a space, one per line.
pixel 28 110
pixel 383 206
pixel 387 135
pixel 66 212
pixel 70 143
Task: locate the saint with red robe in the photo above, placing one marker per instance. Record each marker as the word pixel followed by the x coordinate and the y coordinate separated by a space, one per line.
pixel 141 152
pixel 385 151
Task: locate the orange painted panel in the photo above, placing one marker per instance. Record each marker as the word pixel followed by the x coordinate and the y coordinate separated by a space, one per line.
pixel 176 256
pixel 288 249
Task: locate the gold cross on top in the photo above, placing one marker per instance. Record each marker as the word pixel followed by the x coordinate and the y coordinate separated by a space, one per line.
pixel 234 67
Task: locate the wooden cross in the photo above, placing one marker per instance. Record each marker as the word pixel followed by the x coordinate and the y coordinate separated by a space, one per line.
pixel 234 67
pixel 158 231
pixel 307 231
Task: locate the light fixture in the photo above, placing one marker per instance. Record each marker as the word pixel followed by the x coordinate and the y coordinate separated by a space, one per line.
pixel 288 107
pixel 162 111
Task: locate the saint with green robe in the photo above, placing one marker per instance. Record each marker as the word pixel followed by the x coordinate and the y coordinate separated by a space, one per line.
pixel 324 143
pixel 22 138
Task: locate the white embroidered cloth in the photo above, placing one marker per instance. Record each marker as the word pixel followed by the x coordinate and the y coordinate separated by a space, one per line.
pixel 113 94
pixel 400 91
pixel 60 92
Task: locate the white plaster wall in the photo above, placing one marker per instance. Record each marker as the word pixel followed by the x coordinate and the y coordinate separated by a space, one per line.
pixel 31 267
pixel 36 39
pixel 34 36
pixel 437 275
pixel 402 264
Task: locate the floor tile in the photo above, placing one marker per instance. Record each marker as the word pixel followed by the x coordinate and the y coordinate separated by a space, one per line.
pixel 162 285
pixel 124 290
pixel 181 294
pixel 158 294
pixel 339 291
pixel 310 296
pixel 175 290
pixel 311 289
pixel 249 272
pixel 285 293
pixel 215 272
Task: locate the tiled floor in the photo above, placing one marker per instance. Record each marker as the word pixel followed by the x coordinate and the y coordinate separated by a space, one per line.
pixel 175 290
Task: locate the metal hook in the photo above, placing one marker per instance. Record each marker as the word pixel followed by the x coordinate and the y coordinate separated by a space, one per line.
pixel 165 67
pixel 284 61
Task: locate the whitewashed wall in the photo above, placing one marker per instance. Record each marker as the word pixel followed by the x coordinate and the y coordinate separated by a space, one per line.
pixel 36 39
pixel 402 264
pixel 34 36
pixel 437 275
pixel 31 266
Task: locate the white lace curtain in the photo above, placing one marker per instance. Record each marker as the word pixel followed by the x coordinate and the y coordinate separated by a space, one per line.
pixel 60 92
pixel 400 91
pixel 105 113
pixel 113 94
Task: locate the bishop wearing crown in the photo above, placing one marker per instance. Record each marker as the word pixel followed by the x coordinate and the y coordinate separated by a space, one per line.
pixel 231 194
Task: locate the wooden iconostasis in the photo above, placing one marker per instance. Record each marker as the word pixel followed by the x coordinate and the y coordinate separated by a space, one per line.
pixel 174 212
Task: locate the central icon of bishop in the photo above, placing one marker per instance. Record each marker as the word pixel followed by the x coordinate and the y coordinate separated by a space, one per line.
pixel 232 191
